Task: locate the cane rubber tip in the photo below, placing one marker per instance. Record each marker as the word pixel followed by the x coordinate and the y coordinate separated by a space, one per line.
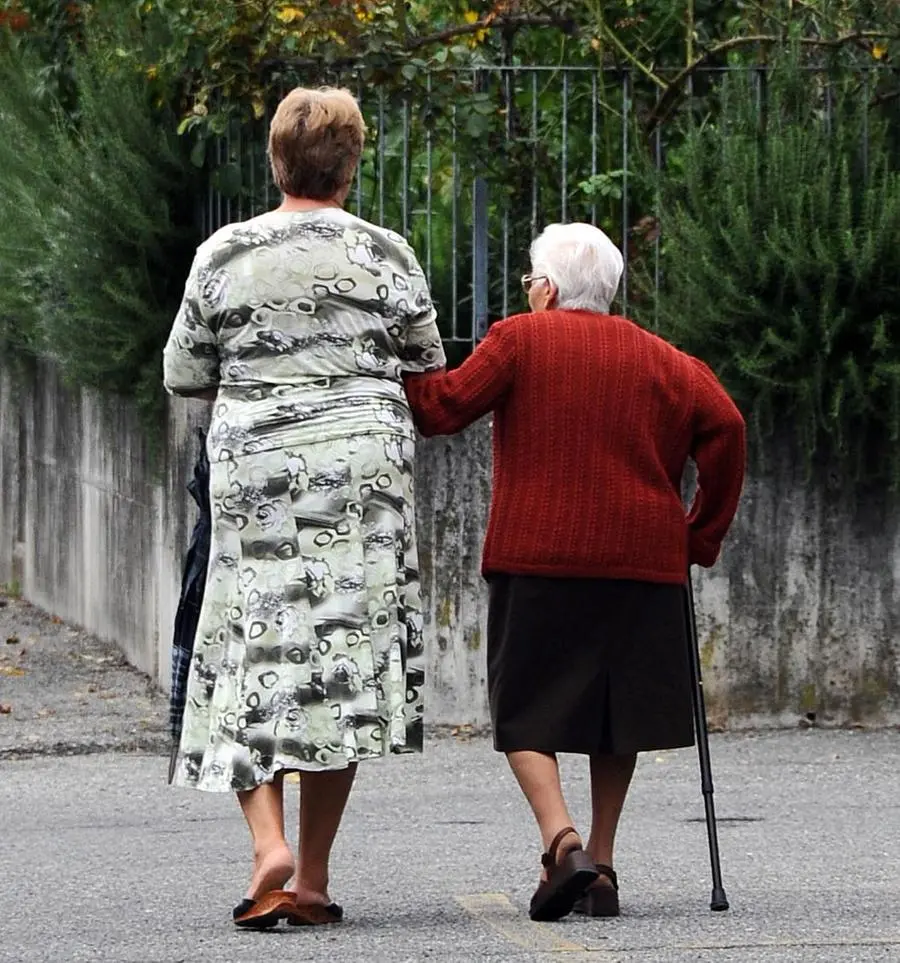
pixel 719 902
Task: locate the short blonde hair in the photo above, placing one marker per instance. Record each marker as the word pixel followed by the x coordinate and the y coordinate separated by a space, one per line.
pixel 315 142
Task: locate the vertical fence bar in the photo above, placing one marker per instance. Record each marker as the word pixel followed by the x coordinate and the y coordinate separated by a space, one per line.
pixel 267 176
pixel 429 173
pixel 454 229
pixel 239 160
pixel 209 207
pixel 593 144
pixel 228 206
pixel 359 183
pixel 657 275
pixel 405 164
pixel 479 258
pixel 534 154
pixel 251 161
pixel 200 215
pixel 220 200
pixel 626 115
pixel 689 90
pixel 479 246
pixel 865 130
pixel 381 156
pixel 507 93
pixel 564 160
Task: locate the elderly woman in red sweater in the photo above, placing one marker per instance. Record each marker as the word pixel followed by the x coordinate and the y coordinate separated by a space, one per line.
pixel 588 544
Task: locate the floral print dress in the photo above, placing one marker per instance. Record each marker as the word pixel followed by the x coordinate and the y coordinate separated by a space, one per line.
pixel 309 648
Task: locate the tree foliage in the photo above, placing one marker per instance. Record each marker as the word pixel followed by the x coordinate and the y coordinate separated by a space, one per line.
pixel 114 112
pixel 99 223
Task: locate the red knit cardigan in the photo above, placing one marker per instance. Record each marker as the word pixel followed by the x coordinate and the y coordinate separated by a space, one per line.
pixel 594 420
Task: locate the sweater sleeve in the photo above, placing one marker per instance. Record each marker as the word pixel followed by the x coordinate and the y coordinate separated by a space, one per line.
pixel 448 401
pixel 719 451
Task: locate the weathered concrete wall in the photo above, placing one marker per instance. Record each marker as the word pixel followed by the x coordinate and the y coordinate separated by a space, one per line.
pixel 798 622
pixel 11 477
pixel 453 485
pixel 85 509
pixel 94 530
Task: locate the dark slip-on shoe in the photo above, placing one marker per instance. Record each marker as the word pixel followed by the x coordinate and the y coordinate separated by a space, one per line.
pixel 314 914
pixel 265 912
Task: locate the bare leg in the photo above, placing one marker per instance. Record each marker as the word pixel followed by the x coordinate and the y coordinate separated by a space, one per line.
pixel 610 779
pixel 273 862
pixel 323 798
pixel 538 776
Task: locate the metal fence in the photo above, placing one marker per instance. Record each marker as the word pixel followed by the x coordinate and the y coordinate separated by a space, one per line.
pixel 515 148
pixel 472 187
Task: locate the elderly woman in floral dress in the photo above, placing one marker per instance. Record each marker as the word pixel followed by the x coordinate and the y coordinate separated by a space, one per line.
pixel 588 545
pixel 300 324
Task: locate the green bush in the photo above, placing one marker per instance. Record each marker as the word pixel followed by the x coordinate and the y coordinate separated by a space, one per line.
pixel 99 226
pixel 781 265
pixel 26 190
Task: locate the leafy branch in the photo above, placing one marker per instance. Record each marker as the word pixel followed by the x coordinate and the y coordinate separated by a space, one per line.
pixel 675 89
pixel 412 44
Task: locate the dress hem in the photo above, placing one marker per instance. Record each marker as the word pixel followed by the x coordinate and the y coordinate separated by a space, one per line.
pixel 180 783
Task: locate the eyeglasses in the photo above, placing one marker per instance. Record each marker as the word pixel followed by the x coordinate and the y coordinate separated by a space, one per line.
pixel 529 279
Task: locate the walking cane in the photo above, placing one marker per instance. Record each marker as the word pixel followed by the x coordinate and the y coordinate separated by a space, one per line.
pixel 719 900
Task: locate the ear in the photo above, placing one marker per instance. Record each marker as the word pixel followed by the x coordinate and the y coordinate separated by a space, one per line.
pixel 552 294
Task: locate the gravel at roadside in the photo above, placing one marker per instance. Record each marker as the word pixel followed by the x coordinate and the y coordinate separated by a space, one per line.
pixel 65 692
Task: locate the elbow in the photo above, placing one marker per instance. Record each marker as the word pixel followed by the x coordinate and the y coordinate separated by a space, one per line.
pixel 187 384
pixel 429 426
pixel 424 426
pixel 173 386
pixel 424 414
pixel 196 392
pixel 702 551
pixel 736 425
pixel 435 411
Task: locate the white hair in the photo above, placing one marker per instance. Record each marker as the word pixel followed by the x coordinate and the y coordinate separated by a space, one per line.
pixel 582 262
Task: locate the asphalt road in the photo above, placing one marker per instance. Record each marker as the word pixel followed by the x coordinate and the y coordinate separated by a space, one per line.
pixel 101 861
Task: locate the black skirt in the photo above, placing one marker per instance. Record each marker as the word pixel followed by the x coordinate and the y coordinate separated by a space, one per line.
pixel 588 665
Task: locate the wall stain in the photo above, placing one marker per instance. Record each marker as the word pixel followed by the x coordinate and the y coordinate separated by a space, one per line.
pixel 809 700
pixel 443 613
pixel 869 698
pixel 711 640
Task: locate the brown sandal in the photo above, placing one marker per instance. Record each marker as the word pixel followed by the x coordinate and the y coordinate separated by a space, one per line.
pixel 566 880
pixel 265 912
pixel 601 900
pixel 314 914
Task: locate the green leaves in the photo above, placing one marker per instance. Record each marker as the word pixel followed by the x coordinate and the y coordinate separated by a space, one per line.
pixel 607 185
pixel 782 267
pixel 98 226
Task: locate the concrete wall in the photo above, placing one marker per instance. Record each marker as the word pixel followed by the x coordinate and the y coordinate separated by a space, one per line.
pixel 94 529
pixel 79 512
pixel 798 621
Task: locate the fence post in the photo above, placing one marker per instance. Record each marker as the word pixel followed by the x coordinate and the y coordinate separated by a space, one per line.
pixel 479 244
